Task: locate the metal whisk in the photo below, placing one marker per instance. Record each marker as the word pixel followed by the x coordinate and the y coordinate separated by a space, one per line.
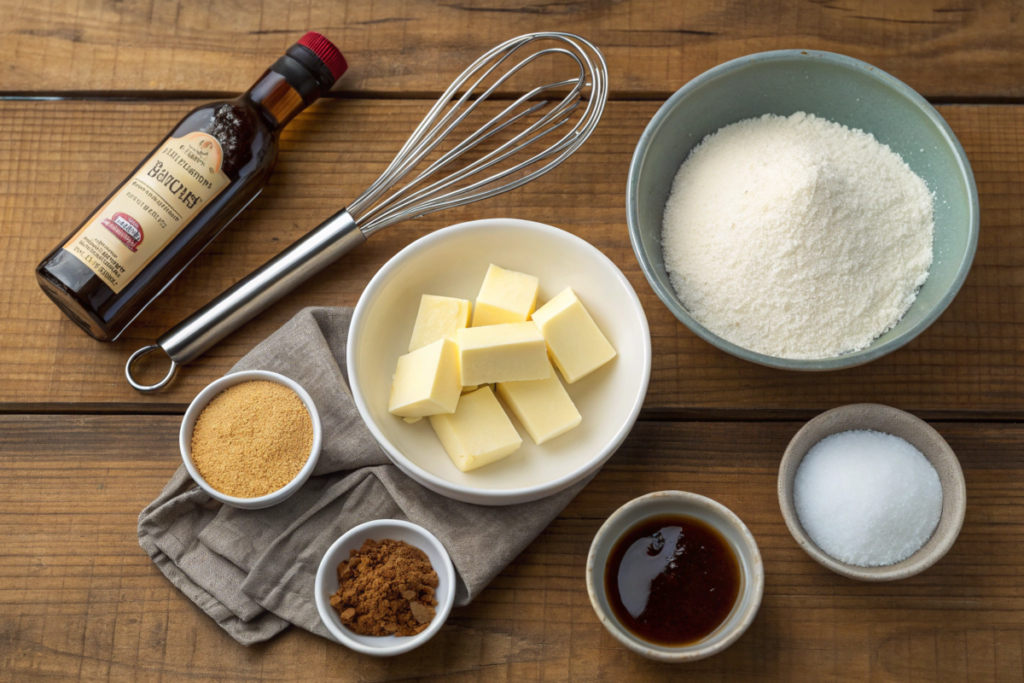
pixel 483 164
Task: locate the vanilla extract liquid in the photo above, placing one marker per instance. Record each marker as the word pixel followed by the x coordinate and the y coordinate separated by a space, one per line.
pixel 672 580
pixel 203 174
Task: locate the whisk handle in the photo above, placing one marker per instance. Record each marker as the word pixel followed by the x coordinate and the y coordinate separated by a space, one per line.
pixel 243 301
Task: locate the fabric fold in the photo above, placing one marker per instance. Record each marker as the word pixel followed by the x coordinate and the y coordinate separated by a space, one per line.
pixel 253 571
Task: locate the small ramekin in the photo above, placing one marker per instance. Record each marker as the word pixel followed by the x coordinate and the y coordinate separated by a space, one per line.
pixel 712 513
pixel 326 585
pixel 921 436
pixel 200 402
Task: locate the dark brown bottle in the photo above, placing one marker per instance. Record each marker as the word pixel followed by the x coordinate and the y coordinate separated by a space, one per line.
pixel 202 175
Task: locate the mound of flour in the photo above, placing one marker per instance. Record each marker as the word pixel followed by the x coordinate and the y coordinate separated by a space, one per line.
pixel 797 237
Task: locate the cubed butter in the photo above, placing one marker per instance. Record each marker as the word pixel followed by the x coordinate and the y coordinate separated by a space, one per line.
pixel 542 405
pixel 512 352
pixel 574 341
pixel 478 432
pixel 439 317
pixel 505 297
pixel 427 381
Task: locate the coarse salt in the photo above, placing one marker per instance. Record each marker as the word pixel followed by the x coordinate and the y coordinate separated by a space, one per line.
pixel 866 498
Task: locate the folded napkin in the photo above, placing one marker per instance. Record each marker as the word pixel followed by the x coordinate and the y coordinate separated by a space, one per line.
pixel 253 570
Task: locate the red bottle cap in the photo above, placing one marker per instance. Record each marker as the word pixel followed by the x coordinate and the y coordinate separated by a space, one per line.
pixel 326 51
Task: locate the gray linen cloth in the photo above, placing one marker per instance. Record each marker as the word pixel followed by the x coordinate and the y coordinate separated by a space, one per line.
pixel 253 570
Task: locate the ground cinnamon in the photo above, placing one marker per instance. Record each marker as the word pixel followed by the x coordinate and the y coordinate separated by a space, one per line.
pixel 386 588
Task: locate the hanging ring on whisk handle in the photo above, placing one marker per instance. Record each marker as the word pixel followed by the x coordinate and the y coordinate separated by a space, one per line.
pixel 197 333
pixel 129 370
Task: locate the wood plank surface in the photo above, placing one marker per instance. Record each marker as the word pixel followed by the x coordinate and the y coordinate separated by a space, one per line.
pixel 944 49
pixel 79 600
pixel 59 159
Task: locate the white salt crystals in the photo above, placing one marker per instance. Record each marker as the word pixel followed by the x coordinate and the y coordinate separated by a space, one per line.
pixel 866 498
pixel 797 237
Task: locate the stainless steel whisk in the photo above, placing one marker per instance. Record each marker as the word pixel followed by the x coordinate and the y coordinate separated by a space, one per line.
pixel 442 184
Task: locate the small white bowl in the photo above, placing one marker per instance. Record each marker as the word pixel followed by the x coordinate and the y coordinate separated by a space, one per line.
pixel 453 262
pixel 205 396
pixel 327 584
pixel 712 513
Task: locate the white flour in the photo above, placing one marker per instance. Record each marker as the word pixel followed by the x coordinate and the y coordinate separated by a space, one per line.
pixel 797 237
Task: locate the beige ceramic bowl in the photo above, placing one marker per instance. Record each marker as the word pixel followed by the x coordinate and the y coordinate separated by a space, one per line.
pixel 898 423
pixel 715 515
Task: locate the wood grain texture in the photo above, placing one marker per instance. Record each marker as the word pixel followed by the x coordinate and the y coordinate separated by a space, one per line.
pixel 79 600
pixel 400 47
pixel 59 159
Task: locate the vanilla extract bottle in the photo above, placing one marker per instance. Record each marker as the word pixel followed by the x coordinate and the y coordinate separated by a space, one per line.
pixel 196 181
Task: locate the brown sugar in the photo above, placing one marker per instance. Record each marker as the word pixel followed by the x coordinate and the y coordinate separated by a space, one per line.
pixel 252 439
pixel 385 589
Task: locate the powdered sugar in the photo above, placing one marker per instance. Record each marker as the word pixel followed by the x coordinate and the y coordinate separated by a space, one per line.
pixel 797 237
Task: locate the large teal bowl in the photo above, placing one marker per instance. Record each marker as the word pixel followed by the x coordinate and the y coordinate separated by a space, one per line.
pixel 837 88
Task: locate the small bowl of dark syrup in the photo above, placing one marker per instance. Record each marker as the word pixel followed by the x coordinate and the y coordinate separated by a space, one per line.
pixel 675 576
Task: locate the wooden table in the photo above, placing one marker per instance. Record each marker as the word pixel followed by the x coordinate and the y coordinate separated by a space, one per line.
pixel 87 88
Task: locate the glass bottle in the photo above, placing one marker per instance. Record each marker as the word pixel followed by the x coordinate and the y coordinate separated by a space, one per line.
pixel 196 181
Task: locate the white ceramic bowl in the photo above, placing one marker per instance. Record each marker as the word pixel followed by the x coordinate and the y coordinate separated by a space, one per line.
pixel 205 396
pixel 327 584
pixel 712 513
pixel 453 262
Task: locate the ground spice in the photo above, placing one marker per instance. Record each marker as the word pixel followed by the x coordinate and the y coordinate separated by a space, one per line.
pixel 386 588
pixel 252 439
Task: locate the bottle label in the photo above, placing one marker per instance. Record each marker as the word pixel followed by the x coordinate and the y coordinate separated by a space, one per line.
pixel 151 208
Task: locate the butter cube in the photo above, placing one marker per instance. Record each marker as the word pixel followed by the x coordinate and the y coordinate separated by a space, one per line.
pixel 478 432
pixel 542 405
pixel 427 381
pixel 439 317
pixel 511 352
pixel 505 297
pixel 574 341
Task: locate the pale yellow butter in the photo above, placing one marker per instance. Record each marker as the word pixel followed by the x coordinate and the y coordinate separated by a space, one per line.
pixel 575 342
pixel 439 317
pixel 478 432
pixel 506 296
pixel 542 405
pixel 427 381
pixel 512 352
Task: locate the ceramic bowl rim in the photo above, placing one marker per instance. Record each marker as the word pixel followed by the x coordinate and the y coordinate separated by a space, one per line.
pixel 445 573
pixel 753 587
pixel 444 486
pixel 668 295
pixel 903 569
pixel 206 395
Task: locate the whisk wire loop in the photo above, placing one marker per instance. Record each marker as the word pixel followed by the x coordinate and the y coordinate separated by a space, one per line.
pixel 529 120
pixel 424 142
pixel 496 156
